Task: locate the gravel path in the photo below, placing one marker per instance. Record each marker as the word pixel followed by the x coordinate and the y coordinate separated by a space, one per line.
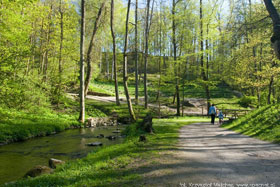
pixel 211 156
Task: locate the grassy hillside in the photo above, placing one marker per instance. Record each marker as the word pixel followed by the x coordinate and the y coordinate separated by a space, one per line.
pixel 18 125
pixel 263 123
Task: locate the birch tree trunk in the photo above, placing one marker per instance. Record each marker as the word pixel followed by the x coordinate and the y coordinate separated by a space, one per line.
pixel 46 54
pixel 60 51
pixel 82 66
pixel 114 54
pixel 146 53
pixel 88 59
pixel 136 52
pixel 107 65
pixel 125 77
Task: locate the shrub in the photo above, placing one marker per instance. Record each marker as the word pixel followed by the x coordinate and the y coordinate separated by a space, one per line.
pixel 247 101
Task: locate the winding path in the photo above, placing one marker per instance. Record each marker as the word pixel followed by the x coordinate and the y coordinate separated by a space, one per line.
pixel 208 155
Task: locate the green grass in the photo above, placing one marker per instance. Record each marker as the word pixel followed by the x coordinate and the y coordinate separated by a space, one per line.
pixel 18 125
pixel 221 95
pixel 226 103
pixel 107 87
pixel 121 110
pixel 21 125
pixel 116 165
pixel 263 123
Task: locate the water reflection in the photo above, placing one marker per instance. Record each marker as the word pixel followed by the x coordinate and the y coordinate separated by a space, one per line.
pixel 17 158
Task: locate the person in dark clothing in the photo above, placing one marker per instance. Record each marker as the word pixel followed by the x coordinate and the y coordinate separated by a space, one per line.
pixel 212 113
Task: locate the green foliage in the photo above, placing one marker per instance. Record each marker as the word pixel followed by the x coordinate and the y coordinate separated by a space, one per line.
pixel 29 53
pixel 262 123
pixel 247 101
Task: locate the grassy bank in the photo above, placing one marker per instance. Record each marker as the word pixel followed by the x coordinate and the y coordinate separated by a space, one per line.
pixel 18 125
pixel 117 165
pixel 263 123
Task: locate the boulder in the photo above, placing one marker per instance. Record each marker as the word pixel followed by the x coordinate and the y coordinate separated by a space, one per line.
pixel 3 143
pixel 124 120
pixel 187 104
pixel 142 138
pixel 100 122
pixel 147 124
pixel 54 162
pixel 237 93
pixel 115 115
pixel 94 144
pixel 91 122
pixel 100 136
pixel 38 170
pixel 111 137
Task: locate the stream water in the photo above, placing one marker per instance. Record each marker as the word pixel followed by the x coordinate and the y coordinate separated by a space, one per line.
pixel 17 158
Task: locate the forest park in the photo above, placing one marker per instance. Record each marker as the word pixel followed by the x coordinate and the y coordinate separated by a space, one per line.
pixel 144 70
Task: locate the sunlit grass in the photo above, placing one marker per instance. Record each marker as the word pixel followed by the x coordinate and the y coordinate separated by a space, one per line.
pixel 262 123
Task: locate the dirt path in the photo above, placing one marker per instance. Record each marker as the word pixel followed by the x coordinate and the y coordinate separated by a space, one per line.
pixel 211 156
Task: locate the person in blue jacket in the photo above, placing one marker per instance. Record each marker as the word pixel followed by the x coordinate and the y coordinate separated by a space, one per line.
pixel 221 117
pixel 212 113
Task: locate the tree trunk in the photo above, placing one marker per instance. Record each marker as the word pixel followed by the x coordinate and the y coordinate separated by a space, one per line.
pixel 114 54
pixel 100 63
pixel 46 57
pixel 107 65
pixel 41 58
pixel 82 67
pixel 207 52
pixel 112 70
pixel 203 75
pixel 270 90
pixel 275 39
pixel 60 52
pixel 184 78
pixel 146 53
pixel 136 52
pixel 88 59
pixel 175 57
pixel 125 77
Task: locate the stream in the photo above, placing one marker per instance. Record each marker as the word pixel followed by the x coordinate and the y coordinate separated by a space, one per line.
pixel 18 158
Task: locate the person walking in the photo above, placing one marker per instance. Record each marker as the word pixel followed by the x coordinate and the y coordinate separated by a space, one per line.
pixel 221 117
pixel 212 113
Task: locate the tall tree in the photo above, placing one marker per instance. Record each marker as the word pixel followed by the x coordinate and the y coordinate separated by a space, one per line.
pixel 45 61
pixel 114 54
pixel 125 76
pixel 175 55
pixel 82 66
pixel 275 39
pixel 146 52
pixel 203 74
pixel 60 51
pixel 88 59
pixel 136 52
